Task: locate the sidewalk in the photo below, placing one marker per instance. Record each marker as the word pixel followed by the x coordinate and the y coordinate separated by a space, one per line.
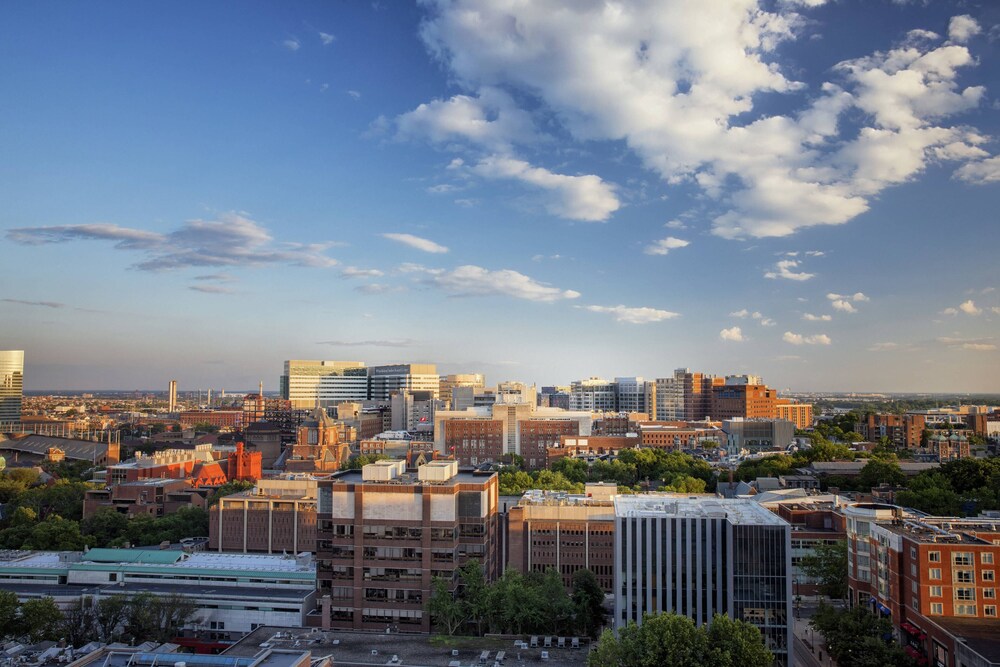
pixel 812 645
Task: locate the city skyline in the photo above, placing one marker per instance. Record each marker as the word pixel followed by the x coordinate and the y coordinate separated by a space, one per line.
pixel 801 190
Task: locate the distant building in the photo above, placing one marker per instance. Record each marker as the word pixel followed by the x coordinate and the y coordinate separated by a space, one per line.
pixel 630 394
pixel 385 533
pixel 222 419
pixel 800 414
pixel 317 446
pixel 308 383
pixel 592 395
pixel 704 555
pixel 11 384
pixel 737 398
pixel 172 396
pixel 384 381
pixel 757 435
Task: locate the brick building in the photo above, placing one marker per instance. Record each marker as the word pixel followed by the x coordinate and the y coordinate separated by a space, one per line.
pixel 276 516
pixel 385 533
pixel 538 435
pixel 565 532
pixel 800 414
pixel 750 401
pixel 223 419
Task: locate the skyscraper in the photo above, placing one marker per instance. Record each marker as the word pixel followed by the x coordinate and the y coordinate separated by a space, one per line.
pixel 172 396
pixel 386 380
pixel 11 384
pixel 305 382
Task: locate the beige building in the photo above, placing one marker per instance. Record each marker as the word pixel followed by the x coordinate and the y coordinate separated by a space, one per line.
pixel 276 516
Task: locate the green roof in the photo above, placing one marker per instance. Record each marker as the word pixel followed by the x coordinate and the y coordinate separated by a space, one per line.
pixel 159 557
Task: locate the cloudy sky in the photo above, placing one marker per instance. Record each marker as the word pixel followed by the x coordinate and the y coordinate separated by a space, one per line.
pixel 803 189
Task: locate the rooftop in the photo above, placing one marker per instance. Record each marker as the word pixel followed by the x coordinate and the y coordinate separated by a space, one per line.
pixel 467 476
pixel 735 510
pixel 946 530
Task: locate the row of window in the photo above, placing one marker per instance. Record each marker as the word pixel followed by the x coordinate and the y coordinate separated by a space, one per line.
pixel 989 611
pixel 957 557
pixel 963 576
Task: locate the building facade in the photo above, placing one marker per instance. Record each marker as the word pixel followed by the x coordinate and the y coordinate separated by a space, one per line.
pixel 592 395
pixel 11 384
pixel 276 516
pixel 701 556
pixel 384 381
pixel 308 383
pixel 384 534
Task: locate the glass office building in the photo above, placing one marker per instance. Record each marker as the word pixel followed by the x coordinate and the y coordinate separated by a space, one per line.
pixel 11 384
pixel 700 556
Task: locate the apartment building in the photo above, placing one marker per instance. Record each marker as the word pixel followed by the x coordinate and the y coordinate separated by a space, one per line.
pixel 800 414
pixel 592 395
pixel 749 401
pixel 385 533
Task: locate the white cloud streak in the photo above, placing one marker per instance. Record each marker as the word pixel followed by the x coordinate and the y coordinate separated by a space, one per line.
pixel 665 245
pixel 417 242
pixel 799 339
pixel 470 280
pixel 785 269
pixel 634 315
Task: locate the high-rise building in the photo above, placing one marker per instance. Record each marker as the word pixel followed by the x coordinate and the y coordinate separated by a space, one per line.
pixel 172 396
pixel 476 381
pixel 743 399
pixel 11 384
pixel 630 394
pixel 384 534
pixel 800 414
pixel 592 395
pixel 307 383
pixel 384 381
pixel 699 556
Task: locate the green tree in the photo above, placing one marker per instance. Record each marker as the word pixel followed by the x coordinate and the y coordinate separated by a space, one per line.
pixel 77 625
pixel 8 614
pixel 828 565
pixel 855 637
pixel 735 643
pixel 931 492
pixel 228 489
pixel 55 534
pixel 588 602
pixel 575 470
pixel 361 460
pixel 878 472
pixel 110 617
pixel 685 484
pixel 446 612
pixel 39 620
pixel 104 526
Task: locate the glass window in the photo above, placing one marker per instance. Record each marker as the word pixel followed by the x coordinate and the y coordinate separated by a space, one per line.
pixel 965 593
pixel 934 556
pixel 937 608
pixel 935 573
pixel 987 558
pixel 990 610
pixel 935 591
pixel 988 575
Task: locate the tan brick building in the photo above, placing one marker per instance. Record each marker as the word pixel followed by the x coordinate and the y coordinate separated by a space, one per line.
pixel 276 516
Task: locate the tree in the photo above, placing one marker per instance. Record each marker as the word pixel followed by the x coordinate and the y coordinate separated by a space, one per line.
pixel 361 460
pixel 672 639
pixel 685 484
pixel 446 612
pixel 828 565
pixel 104 526
pixel 77 626
pixel 588 602
pixel 110 617
pixel 878 472
pixel 228 489
pixel 55 534
pixel 39 620
pixel 8 614
pixel 734 643
pixel 856 637
pixel 575 470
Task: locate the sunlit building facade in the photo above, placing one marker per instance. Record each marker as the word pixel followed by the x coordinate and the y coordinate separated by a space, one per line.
pixel 11 384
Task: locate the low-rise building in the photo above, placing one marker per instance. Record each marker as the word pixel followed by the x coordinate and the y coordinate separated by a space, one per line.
pixel 276 516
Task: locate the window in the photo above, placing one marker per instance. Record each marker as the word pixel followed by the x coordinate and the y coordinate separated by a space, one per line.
pixel 934 556
pixel 990 610
pixel 964 576
pixel 965 610
pixel 961 558
pixel 935 573
pixel 965 593
pixel 935 591
pixel 988 575
pixel 987 558
pixel 937 608
pixel 990 593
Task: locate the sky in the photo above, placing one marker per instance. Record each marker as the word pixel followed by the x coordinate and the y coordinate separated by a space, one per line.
pixel 806 190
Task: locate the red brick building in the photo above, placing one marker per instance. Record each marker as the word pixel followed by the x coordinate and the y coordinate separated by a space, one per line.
pixel 473 441
pixel 244 465
pixel 750 401
pixel 538 435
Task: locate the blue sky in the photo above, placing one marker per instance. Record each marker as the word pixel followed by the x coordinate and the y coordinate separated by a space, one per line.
pixel 801 189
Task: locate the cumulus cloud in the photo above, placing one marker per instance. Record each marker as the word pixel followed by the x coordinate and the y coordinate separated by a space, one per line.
pixel 734 334
pixel 980 173
pixel 816 318
pixel 974 344
pixel 416 242
pixel 292 44
pixel 979 347
pixel 354 94
pixel 587 198
pixel 634 315
pixel 743 312
pixel 962 28
pixel 469 280
pixel 490 120
pixel 799 339
pixel 785 269
pixel 761 318
pixel 326 38
pixel 857 296
pixel 231 240
pixel 970 308
pixel 665 245
pixel 843 305
pixel 676 82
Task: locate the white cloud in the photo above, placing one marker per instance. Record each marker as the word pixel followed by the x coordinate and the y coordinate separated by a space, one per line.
pixel 980 173
pixel 817 318
pixel 586 198
pixel 995 310
pixel 970 308
pixel 675 224
pixel 979 347
pixel 764 320
pixel 734 334
pixel 799 339
pixel 843 305
pixel 211 289
pixel 634 315
pixel 675 80
pixel 231 240
pixel 417 242
pixel 784 269
pixel 815 253
pixel 740 313
pixel 881 347
pixel 354 94
pixel 665 245
pixel 355 272
pixel 857 296
pixel 472 280
pixel 962 28
pixel 326 38
pixel 292 44
pixel 950 311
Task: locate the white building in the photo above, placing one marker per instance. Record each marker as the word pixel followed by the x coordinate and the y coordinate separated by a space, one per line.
pixel 384 381
pixel 592 395
pixel 307 383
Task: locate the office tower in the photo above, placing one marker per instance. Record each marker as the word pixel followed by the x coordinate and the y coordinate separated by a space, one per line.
pixel 800 414
pixel 383 535
pixel 592 395
pixel 448 382
pixel 757 435
pixel 516 392
pixel 384 381
pixel 630 394
pixel 11 384
pixel 172 396
pixel 739 398
pixel 307 383
pixel 702 556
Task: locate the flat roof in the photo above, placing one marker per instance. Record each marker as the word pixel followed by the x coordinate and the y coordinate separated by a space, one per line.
pixel 466 476
pixel 980 635
pixel 166 559
pixel 296 595
pixel 734 510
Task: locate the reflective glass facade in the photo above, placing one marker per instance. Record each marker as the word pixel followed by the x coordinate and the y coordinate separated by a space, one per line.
pixel 11 384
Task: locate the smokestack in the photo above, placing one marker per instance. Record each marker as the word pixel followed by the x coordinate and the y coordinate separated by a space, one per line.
pixel 261 393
